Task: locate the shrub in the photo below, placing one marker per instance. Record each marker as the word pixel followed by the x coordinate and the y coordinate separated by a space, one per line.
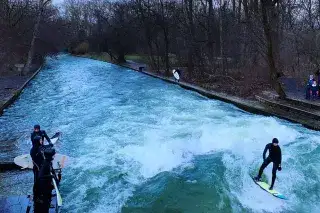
pixel 81 49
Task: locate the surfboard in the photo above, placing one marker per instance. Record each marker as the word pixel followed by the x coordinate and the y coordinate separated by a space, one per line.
pixel 59 198
pixel 25 161
pixel 176 74
pixel 59 161
pixel 54 138
pixel 266 187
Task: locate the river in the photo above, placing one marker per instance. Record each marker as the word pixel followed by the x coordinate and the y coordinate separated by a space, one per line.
pixel 139 144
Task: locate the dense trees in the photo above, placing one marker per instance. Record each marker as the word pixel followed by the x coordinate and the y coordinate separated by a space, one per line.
pixel 29 27
pixel 250 44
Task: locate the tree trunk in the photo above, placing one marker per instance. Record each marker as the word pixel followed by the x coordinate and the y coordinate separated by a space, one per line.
pixel 255 7
pixel 121 58
pixel 266 6
pixel 210 31
pixel 221 37
pixel 165 28
pixel 166 40
pixel 158 54
pixel 34 37
pixel 246 9
pixel 234 8
pixel 239 11
pixel 148 34
pixel 191 33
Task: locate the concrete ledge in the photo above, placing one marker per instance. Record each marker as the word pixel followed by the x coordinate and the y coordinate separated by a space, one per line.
pixel 249 106
pixel 11 204
pixel 17 93
pixel 303 103
pixel 289 108
pixel 292 114
pixel 5 166
pixel 253 106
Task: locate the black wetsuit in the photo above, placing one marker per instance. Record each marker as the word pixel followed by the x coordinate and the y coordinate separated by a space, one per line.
pixel 42 134
pixel 275 157
pixel 43 188
pixel 37 158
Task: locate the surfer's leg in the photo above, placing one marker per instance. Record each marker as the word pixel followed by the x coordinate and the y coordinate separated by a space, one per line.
pixel 34 180
pixel 263 166
pixel 34 174
pixel 274 174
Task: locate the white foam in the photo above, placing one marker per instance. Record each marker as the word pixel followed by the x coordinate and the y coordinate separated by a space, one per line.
pixel 123 135
pixel 159 152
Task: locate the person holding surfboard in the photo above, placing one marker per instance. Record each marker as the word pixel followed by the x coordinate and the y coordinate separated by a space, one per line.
pixel 37 157
pixel 41 133
pixel 274 157
pixel 176 74
pixel 43 185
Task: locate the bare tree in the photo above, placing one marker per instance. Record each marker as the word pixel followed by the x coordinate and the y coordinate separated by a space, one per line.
pixel 268 8
pixel 41 6
pixel 212 40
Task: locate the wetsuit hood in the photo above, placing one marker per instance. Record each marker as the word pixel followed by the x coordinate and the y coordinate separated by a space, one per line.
pixel 49 153
pixel 275 140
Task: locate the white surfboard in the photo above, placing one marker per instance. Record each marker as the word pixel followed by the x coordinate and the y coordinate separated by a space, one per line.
pixel 25 161
pixel 59 198
pixel 59 161
pixel 54 138
pixel 266 187
pixel 175 74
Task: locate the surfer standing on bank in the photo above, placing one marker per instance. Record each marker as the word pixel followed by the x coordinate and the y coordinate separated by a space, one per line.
pixel 274 157
pixel 176 74
pixel 41 133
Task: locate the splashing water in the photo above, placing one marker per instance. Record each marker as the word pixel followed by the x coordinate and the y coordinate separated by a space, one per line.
pixel 142 145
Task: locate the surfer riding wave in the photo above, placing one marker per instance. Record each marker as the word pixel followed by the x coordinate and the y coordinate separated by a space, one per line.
pixel 274 157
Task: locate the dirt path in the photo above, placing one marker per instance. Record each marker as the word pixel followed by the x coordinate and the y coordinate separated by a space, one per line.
pixel 8 85
pixel 11 86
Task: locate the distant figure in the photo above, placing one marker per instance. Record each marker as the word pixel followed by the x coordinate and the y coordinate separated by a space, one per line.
pixel 314 90
pixel 176 74
pixel 309 85
pixel 274 157
pixel 41 133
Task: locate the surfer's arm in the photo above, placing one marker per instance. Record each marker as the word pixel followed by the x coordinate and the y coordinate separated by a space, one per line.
pixel 280 157
pixel 46 136
pixel 32 136
pixel 265 151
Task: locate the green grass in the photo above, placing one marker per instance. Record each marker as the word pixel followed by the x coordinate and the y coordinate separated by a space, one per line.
pixel 105 57
pixel 101 57
pixel 138 58
pixel 145 59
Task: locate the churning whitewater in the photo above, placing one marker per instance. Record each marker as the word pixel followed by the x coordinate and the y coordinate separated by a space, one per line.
pixel 141 145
